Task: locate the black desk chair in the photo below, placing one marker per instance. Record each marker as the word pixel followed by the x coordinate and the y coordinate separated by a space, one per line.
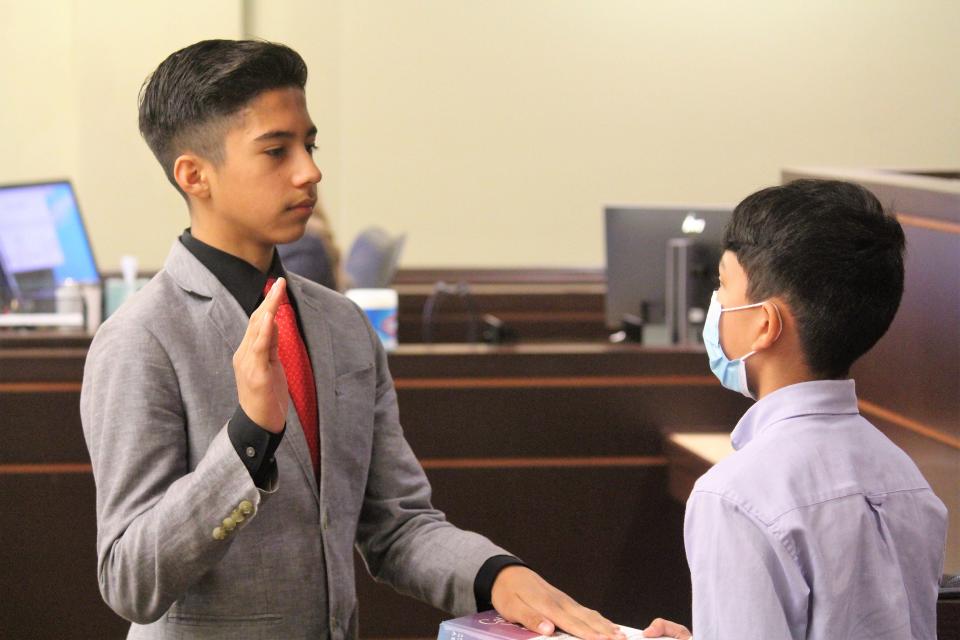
pixel 373 259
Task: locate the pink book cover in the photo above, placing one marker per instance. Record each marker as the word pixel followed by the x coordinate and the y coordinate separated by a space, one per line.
pixel 489 625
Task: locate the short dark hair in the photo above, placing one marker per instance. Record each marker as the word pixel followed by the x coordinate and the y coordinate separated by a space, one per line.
pixel 186 103
pixel 829 249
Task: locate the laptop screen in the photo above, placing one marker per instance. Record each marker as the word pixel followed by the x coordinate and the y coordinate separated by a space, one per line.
pixel 43 242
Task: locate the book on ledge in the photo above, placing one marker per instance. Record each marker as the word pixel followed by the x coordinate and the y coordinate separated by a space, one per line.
pixel 489 625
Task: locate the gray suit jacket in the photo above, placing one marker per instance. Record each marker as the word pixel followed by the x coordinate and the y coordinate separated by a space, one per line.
pixel 158 390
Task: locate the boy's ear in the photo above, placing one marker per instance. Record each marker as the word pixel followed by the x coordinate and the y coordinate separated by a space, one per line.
pixel 190 172
pixel 772 325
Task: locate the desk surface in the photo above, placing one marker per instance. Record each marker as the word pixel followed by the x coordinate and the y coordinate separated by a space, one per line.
pixel 711 447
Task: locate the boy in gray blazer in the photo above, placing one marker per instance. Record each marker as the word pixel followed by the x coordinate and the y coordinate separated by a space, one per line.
pixel 242 422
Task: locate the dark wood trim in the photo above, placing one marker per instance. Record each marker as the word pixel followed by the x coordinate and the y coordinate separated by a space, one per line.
pixel 566 382
pixel 540 463
pixel 44 340
pixel 530 316
pixel 930 224
pixel 684 468
pixel 13 351
pixel 45 469
pixel 904 422
pixel 40 387
pixel 548 382
pixel 475 275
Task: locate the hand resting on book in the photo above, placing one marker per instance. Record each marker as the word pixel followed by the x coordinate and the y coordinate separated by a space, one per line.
pixel 520 595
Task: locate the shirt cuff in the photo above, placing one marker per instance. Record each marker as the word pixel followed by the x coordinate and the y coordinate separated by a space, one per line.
pixel 483 583
pixel 255 445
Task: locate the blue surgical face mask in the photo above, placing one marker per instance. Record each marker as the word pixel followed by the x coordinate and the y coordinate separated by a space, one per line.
pixel 731 373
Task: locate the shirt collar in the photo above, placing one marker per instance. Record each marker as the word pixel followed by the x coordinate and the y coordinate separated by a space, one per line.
pixel 243 280
pixel 819 397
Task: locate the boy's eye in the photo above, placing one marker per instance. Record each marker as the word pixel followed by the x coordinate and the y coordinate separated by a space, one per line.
pixel 276 152
pixel 311 147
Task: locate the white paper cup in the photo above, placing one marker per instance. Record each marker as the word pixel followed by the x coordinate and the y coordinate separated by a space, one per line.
pixel 380 305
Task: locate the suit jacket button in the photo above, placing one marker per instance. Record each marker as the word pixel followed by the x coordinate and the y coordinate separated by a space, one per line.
pixel 229 523
pixel 246 507
pixel 237 516
pixel 219 533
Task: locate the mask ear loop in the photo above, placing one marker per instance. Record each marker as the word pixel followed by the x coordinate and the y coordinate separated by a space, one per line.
pixel 780 318
pixel 744 382
pixel 751 306
pixel 743 306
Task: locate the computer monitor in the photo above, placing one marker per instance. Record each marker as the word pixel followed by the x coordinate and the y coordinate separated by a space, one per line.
pixel 638 240
pixel 43 242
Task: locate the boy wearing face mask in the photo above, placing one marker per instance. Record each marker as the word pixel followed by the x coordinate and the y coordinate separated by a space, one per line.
pixel 817 526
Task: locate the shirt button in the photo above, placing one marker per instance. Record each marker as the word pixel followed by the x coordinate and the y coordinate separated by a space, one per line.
pixel 251 452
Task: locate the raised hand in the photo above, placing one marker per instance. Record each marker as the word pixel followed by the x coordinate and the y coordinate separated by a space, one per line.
pixel 261 383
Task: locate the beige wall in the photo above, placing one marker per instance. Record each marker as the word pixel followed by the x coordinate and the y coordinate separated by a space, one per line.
pixel 38 106
pixel 69 83
pixel 130 205
pixel 494 132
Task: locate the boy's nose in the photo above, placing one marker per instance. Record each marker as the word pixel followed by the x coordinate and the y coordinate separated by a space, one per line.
pixel 309 173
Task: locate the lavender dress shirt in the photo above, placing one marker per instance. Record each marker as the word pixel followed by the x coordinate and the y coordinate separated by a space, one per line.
pixel 816 527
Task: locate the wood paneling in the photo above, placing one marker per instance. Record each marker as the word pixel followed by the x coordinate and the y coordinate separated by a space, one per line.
pixel 48 551
pixel 41 428
pixel 558 312
pixel 914 369
pixel 611 538
pixel 555 452
pixel 552 450
pixel 42 368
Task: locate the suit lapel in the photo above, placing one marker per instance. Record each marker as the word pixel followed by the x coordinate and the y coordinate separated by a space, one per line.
pixel 230 321
pixel 225 312
pixel 296 443
pixel 316 334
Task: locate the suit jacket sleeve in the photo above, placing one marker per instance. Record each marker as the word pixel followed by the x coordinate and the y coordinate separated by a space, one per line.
pixel 155 517
pixel 403 539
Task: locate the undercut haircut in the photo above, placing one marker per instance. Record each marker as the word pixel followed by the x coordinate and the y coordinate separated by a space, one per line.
pixel 828 248
pixel 187 104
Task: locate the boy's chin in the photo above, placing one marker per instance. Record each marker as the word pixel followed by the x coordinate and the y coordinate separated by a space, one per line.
pixel 289 234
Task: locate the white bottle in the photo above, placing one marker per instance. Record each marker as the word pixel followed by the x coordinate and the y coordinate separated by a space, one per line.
pixel 128 267
pixel 68 300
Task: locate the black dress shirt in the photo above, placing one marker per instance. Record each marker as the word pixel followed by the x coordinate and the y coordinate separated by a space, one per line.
pixel 245 283
pixel 255 445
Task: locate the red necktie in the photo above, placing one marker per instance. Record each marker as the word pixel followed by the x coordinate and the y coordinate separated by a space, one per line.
pixel 299 373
